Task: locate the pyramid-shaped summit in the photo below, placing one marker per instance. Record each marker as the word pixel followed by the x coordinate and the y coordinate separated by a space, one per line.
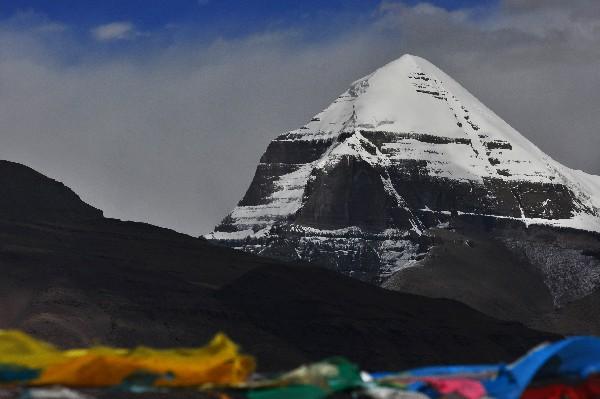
pixel 403 150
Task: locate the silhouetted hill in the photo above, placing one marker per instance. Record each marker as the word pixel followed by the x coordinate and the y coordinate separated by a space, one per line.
pixel 28 195
pixel 74 277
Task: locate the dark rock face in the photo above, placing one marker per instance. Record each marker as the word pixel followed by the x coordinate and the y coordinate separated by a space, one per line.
pixel 377 185
pixel 491 197
pixel 290 152
pixel 281 158
pixel 506 271
pixel 335 199
pixel 96 280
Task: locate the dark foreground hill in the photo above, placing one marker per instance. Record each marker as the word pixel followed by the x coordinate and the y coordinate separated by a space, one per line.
pixel 76 278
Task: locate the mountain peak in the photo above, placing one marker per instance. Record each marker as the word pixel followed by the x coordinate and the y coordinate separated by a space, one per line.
pixel 409 95
pixel 407 58
pixel 403 150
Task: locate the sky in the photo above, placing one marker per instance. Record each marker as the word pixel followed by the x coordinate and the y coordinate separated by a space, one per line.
pixel 158 111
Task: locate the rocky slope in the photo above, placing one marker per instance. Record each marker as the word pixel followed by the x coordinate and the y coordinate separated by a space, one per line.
pixel 377 183
pixel 73 277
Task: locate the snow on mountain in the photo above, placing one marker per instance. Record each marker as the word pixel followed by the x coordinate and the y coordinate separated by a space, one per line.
pixel 409 110
pixel 407 163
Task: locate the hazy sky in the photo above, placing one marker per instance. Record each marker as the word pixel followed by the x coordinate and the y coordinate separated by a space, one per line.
pixel 160 113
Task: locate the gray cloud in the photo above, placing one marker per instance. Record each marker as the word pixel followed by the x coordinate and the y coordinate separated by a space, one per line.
pixel 171 134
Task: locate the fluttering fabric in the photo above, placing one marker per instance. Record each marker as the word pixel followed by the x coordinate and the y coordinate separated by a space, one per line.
pixel 567 369
pixel 314 381
pixel 575 359
pixel 24 359
pixel 571 358
pixel 589 389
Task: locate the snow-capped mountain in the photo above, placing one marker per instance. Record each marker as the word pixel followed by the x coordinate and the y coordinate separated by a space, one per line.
pixel 403 152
